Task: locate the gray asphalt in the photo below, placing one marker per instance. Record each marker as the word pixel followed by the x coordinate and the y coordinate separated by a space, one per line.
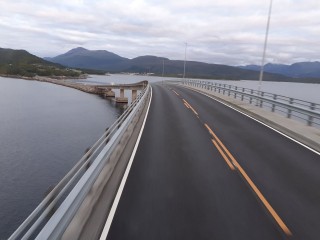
pixel 180 187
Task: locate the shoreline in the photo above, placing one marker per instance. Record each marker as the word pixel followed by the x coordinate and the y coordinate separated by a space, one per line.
pixel 62 81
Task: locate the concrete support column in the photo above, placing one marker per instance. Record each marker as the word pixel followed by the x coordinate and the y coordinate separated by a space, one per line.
pixel 122 92
pixel 134 95
pixel 121 99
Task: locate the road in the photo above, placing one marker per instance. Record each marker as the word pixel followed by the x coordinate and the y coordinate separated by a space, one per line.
pixel 205 171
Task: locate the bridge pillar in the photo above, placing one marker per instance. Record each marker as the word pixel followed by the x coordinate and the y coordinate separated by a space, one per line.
pixel 122 98
pixel 134 95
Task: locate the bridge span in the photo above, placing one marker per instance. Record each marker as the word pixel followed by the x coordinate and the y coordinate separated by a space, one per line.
pixel 205 171
pixel 201 170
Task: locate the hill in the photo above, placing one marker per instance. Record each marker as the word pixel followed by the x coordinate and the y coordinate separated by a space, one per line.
pixel 86 59
pixel 22 63
pixel 110 62
pixel 296 70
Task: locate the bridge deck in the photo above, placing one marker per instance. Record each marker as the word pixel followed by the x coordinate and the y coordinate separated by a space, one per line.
pixel 183 184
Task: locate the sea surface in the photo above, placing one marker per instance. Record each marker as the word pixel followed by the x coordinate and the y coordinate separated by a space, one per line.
pixel 303 91
pixel 44 131
pixel 46 128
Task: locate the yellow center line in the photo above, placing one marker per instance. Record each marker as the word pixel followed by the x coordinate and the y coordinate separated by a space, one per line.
pixel 253 186
pixel 282 225
pixel 221 144
pixel 194 111
pixel 176 93
pixel 223 155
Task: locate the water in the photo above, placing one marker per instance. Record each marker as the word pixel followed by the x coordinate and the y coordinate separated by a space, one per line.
pixel 44 131
pixel 119 79
pixel 304 91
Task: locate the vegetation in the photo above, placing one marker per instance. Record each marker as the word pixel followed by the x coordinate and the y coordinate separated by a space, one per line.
pixel 22 63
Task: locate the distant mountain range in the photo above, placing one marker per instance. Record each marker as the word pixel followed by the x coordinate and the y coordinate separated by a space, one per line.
pixel 22 63
pixel 296 70
pixel 113 63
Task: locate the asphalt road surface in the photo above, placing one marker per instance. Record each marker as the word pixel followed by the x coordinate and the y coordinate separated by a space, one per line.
pixel 205 171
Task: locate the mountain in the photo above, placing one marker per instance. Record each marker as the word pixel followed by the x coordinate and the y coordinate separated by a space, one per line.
pixel 110 62
pixel 22 63
pixel 107 61
pixel 10 56
pixel 87 59
pixel 296 70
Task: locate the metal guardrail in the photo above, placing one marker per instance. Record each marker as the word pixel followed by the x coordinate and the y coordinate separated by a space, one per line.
pixel 308 112
pixel 69 193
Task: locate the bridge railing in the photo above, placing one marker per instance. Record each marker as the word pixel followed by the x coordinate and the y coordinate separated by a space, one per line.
pixel 69 193
pixel 308 112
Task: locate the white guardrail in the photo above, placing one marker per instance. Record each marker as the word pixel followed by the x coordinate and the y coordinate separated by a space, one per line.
pixel 293 108
pixel 65 199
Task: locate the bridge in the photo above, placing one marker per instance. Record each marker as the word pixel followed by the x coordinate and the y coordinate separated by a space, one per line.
pixel 193 160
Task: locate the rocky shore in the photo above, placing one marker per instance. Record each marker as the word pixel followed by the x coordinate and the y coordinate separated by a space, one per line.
pixel 63 81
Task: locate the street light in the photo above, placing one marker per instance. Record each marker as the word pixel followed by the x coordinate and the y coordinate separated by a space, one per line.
pixel 185 58
pixel 162 70
pixel 265 48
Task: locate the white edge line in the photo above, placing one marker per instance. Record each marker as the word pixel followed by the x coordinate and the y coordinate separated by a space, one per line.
pixel 283 134
pixel 112 212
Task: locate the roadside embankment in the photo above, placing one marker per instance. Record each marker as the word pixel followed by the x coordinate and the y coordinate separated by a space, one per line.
pixel 60 81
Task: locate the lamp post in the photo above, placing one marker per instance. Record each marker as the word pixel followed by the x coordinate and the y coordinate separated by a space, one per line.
pixel 265 48
pixel 185 59
pixel 162 70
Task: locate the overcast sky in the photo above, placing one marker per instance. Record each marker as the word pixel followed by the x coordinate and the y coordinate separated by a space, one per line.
pixel 217 31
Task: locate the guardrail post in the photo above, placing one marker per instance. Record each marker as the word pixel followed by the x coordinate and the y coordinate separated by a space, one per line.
pixel 310 118
pixel 250 96
pixel 261 102
pixel 289 110
pixel 235 93
pixel 273 105
pixel 242 96
pixel 229 90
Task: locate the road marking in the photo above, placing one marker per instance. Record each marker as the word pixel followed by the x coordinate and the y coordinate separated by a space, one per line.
pixel 273 213
pixel 175 92
pixel 194 111
pixel 278 131
pixel 186 105
pixel 112 212
pixel 221 144
pixel 276 217
pixel 223 155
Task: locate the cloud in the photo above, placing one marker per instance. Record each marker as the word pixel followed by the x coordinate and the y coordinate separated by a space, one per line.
pixel 222 31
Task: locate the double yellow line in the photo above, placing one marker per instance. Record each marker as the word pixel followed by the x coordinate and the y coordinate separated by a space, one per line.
pixel 233 164
pixel 175 92
pixel 189 106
